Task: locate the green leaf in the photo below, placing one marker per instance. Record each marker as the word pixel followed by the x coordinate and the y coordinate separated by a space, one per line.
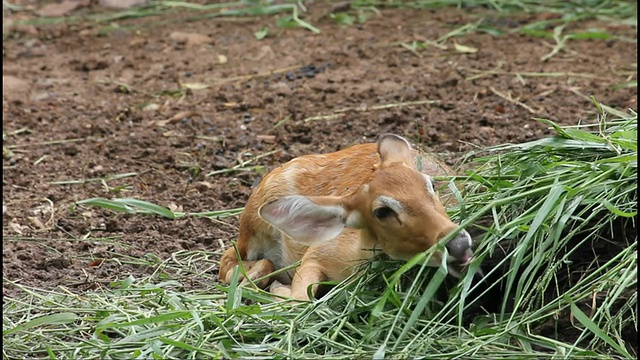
pixel 617 211
pixel 427 296
pixel 234 294
pixel 582 135
pixel 59 318
pixel 127 282
pixel 379 354
pixel 286 22
pixel 626 84
pixel 362 17
pixel 377 309
pixel 107 204
pixel 247 310
pixel 342 18
pixel 590 35
pixel 262 33
pixel 589 324
pixel 490 30
pixel 537 33
pixel 164 317
pixel 148 207
pixel 188 347
pixel 130 206
pixel 148 334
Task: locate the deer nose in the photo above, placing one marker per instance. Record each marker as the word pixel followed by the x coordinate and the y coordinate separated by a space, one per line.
pixel 459 248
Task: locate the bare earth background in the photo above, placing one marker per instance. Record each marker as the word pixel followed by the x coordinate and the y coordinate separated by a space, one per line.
pixel 172 101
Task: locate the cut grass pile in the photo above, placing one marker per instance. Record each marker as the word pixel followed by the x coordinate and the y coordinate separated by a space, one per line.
pixel 558 249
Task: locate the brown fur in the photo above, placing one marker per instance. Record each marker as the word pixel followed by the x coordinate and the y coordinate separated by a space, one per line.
pixel 337 180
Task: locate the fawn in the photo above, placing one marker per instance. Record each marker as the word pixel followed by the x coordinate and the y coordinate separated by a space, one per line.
pixel 333 211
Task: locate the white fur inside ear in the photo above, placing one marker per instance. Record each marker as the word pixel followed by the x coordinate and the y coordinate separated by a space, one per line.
pixel 393 148
pixel 430 188
pixel 303 220
pixel 354 220
pixel 394 137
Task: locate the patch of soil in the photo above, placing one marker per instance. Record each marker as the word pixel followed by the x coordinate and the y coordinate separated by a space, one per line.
pixel 79 104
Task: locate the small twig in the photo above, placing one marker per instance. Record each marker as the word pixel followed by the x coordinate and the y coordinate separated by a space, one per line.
pixel 605 107
pixel 470 144
pixel 411 48
pixel 594 303
pixel 242 166
pixel 216 81
pixel 341 112
pixel 561 41
pixel 464 29
pixel 483 73
pixel 324 117
pixel 234 169
pixel 45 143
pixel 15 132
pixel 282 122
pixel 83 181
pixel 512 100
pixel 406 43
pixel 50 223
pixel 128 88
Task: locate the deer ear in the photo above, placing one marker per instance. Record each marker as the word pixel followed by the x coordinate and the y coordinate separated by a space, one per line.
pixel 303 220
pixel 393 148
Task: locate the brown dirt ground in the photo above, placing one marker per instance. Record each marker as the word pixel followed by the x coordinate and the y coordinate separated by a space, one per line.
pixel 67 116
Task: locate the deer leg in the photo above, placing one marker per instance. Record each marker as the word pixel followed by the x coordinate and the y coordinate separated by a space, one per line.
pixel 258 269
pixel 254 269
pixel 280 289
pixel 309 273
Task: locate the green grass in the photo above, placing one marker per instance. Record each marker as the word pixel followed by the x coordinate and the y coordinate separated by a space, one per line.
pixel 290 14
pixel 587 7
pixel 555 220
pixel 185 12
pixel 556 227
pixel 504 19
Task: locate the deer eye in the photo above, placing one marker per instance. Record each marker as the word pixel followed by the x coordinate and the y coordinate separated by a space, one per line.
pixel 383 212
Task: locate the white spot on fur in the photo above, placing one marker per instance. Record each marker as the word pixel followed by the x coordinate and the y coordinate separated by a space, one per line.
pixel 289 176
pixel 354 220
pixel 253 253
pixel 264 247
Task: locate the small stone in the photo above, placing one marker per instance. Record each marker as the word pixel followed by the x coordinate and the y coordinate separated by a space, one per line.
pixel 280 88
pixel 151 107
pixel 189 39
pixel 58 9
pixel 269 139
pixel 11 85
pixel 120 4
pixel 44 96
